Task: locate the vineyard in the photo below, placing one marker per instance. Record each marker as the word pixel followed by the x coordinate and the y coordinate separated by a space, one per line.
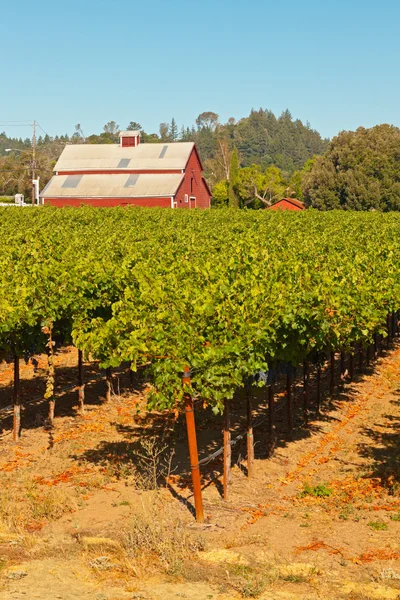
pixel 222 299
pixel 250 321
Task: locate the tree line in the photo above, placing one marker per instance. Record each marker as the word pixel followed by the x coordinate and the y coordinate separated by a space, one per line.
pixel 260 139
pixel 359 170
pixel 249 163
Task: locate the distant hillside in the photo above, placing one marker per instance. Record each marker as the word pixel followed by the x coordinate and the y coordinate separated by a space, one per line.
pixel 262 139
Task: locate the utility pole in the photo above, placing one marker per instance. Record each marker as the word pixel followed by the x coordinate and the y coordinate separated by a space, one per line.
pixel 33 161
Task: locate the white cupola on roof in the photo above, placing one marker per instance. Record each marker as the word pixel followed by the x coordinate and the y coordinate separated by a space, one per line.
pixel 129 139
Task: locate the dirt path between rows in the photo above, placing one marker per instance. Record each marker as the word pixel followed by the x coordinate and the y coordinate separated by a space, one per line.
pixel 319 518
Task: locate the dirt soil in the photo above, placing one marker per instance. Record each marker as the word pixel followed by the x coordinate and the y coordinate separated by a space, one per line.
pixel 78 518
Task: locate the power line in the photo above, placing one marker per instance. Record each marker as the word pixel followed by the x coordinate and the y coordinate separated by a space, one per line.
pixel 22 124
pixel 40 127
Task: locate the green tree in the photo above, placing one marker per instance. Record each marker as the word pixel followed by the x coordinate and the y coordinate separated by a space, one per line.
pixel 149 138
pixel 173 130
pixel 134 126
pixel 233 180
pixel 359 171
pixel 259 188
pixel 264 139
pixel 295 188
pixel 220 195
pixel 112 130
pixel 207 120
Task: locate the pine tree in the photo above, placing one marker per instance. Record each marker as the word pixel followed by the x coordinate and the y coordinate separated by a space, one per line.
pixel 233 180
pixel 173 130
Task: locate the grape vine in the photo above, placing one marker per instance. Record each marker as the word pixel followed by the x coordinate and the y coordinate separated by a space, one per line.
pixel 230 293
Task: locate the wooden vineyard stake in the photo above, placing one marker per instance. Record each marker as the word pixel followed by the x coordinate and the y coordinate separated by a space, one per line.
pixel 193 451
pixel 351 364
pixel 49 394
pixel 250 437
pixel 393 319
pixel 289 401
pixel 131 378
pixel 342 365
pixel 81 384
pixel 17 403
pixel 108 384
pixel 271 420
pixel 360 356
pixel 332 377
pixel 306 375
pixel 375 345
pixel 368 355
pixel 227 448
pixel 318 388
pixel 389 331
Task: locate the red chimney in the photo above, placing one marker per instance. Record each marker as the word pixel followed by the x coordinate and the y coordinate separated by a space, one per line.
pixel 129 139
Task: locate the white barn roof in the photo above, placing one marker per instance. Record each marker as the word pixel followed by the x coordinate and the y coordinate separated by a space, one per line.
pixel 112 186
pixel 130 133
pixel 157 157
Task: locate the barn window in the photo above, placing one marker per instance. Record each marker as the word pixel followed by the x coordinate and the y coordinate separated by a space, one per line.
pixel 123 163
pixel 191 186
pixel 163 151
pixel 132 180
pixel 72 181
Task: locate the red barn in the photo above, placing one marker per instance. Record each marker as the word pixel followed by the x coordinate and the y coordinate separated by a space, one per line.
pixel 167 175
pixel 287 204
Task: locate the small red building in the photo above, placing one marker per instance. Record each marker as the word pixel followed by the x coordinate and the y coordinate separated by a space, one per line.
pixel 287 204
pixel 168 175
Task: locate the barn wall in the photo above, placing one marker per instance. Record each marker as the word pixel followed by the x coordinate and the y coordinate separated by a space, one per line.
pixel 129 142
pixel 109 202
pixel 197 189
pixel 192 184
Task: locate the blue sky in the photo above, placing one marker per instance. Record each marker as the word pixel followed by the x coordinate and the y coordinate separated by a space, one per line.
pixel 332 63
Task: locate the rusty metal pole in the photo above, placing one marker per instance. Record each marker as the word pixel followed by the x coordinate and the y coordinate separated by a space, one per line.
pixel 227 448
pixel 193 451
pixel 250 437
pixel 81 383
pixel 17 403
